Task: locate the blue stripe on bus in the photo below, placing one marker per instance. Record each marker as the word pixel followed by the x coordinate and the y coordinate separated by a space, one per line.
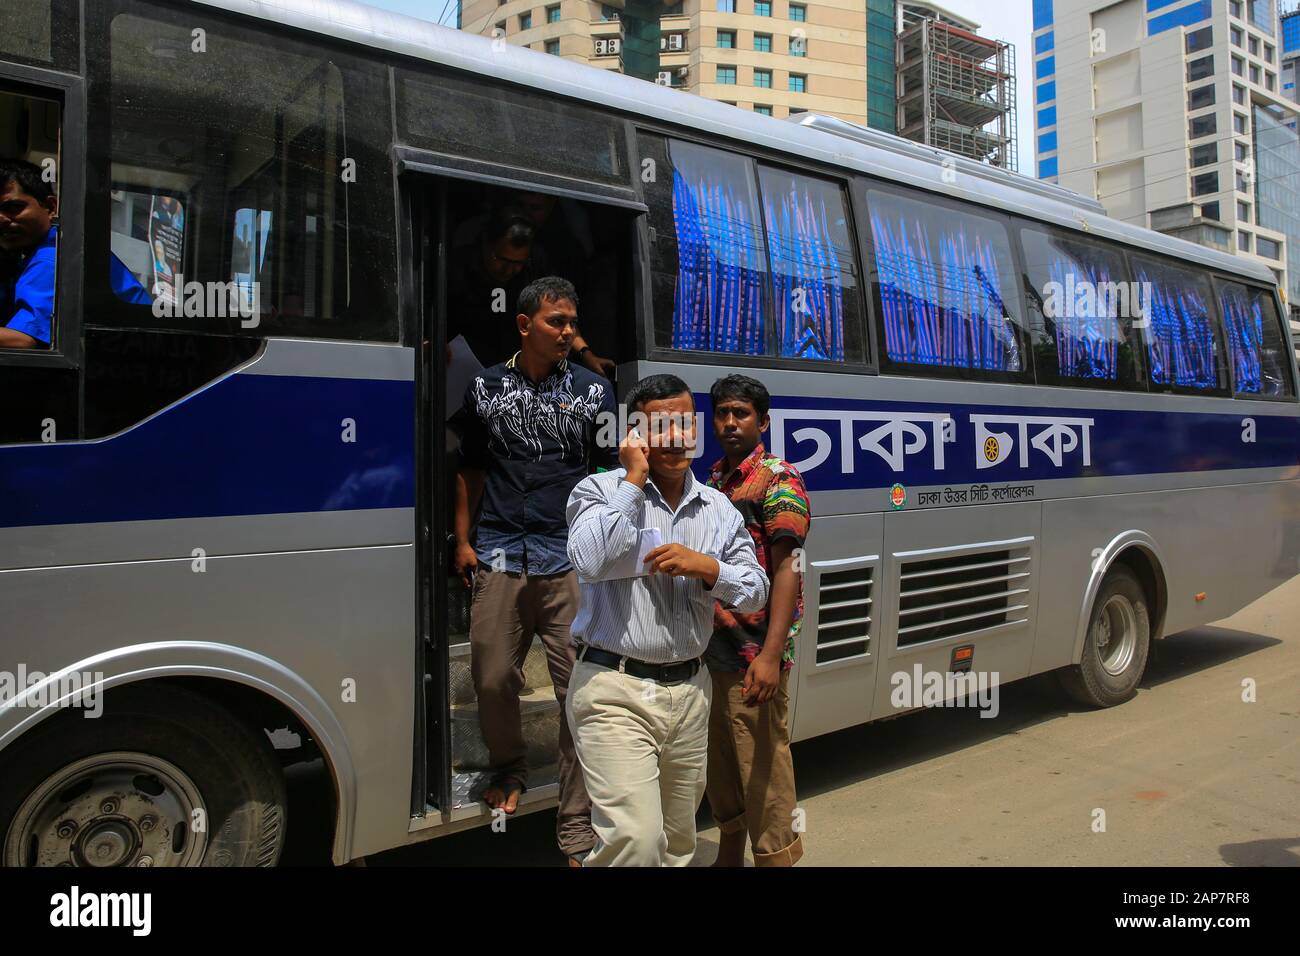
pixel 246 445
pixel 1122 442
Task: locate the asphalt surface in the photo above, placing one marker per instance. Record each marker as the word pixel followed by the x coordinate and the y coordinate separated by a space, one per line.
pixel 1185 774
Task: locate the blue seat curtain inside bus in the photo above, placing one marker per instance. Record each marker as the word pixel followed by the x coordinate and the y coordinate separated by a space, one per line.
pixel 811 264
pixel 1085 292
pixel 720 300
pixel 1086 338
pixel 1255 341
pixel 944 286
pixel 1180 332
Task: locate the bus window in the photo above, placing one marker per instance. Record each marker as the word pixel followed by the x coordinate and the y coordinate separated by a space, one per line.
pixel 946 284
pixel 1085 308
pixel 257 170
pixel 40 32
pixel 1182 347
pixel 147 245
pixel 29 218
pixel 814 268
pixel 1261 362
pixel 709 259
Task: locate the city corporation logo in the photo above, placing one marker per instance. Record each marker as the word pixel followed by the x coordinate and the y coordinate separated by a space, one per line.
pixel 898 497
pixel 991 448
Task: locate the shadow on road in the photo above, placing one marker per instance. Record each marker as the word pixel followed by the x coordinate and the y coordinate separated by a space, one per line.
pixel 822 764
pixel 1262 853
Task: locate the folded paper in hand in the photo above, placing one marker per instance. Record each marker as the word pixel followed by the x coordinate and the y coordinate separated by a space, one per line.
pixel 632 564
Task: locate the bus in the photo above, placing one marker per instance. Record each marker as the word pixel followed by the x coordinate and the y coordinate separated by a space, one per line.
pixel 1036 438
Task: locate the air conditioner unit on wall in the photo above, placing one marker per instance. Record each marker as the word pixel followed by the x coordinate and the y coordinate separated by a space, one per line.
pixel 600 48
pixel 665 78
pixel 663 43
pixel 613 46
pixel 676 42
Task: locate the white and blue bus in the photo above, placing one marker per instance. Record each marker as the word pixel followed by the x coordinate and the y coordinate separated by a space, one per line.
pixel 1037 439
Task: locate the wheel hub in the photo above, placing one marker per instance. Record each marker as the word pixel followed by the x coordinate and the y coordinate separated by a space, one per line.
pixel 1117 635
pixel 112 809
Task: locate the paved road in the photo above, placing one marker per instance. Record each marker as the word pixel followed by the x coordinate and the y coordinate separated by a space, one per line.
pixel 1186 773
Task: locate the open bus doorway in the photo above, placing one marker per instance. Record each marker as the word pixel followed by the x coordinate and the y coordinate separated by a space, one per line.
pixel 481 244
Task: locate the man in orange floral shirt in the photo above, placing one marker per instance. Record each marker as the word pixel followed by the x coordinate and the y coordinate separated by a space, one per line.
pixel 750 769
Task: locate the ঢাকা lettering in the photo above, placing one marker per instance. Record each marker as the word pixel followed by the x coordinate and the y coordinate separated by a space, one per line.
pixel 899 435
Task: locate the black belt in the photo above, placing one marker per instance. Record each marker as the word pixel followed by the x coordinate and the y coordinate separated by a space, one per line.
pixel 661 673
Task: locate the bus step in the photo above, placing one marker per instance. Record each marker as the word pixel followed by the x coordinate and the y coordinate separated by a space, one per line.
pixel 540 718
pixel 461 681
pixel 468 787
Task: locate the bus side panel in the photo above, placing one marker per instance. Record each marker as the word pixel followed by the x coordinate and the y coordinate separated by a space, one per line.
pixel 834 678
pixel 340 619
pixel 937 559
pixel 1253 536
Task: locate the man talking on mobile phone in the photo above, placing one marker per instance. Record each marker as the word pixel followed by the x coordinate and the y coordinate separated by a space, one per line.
pixel 639 698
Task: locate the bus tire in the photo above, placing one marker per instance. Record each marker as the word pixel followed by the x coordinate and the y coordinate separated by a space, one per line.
pixel 1116 645
pixel 162 777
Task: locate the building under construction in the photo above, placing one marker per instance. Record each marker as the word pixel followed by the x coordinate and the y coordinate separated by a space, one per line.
pixel 956 89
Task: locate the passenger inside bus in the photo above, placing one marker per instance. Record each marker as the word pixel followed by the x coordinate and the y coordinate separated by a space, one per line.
pixel 29 237
pixel 516 239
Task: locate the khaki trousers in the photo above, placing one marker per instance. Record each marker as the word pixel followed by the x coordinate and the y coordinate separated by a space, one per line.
pixel 508 610
pixel 642 746
pixel 751 770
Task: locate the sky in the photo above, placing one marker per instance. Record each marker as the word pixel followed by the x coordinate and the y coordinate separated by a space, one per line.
pixel 1008 20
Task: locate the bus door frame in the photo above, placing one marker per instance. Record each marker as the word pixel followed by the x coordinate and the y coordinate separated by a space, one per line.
pixel 423 177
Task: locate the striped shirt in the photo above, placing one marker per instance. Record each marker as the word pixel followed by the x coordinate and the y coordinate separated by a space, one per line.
pixel 657 618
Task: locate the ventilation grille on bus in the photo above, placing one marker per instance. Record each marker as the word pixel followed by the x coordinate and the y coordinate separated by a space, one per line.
pixel 843 614
pixel 943 597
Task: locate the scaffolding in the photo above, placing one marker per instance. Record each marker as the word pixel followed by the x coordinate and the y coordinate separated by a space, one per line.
pixel 957 91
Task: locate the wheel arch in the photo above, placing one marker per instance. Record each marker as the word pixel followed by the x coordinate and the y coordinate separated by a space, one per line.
pixel 226 675
pixel 1139 552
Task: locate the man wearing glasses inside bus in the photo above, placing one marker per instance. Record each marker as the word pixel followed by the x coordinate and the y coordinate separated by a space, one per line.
pixel 751 771
pixel 528 436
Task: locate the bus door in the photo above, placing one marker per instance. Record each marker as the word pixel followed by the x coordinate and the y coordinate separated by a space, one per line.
pixel 586 237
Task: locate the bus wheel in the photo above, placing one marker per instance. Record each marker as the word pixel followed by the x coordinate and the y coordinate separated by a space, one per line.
pixel 162 777
pixel 1116 646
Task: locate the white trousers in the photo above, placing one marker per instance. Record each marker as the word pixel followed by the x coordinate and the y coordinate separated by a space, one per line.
pixel 642 747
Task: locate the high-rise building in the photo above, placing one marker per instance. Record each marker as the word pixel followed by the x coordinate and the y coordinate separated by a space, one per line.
pixel 956 89
pixel 1172 113
pixel 1290 24
pixel 772 56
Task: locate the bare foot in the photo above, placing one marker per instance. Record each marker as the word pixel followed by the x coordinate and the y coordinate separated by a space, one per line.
pixel 575 863
pixel 731 850
pixel 503 795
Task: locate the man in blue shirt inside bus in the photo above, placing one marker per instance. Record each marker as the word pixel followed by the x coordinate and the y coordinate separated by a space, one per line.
pixel 29 232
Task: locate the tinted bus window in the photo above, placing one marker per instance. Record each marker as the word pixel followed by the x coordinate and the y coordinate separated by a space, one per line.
pixel 814 268
pixel 946 284
pixel 40 33
pixel 469 118
pixel 251 188
pixel 1261 362
pixel 709 259
pixel 1086 306
pixel 1182 347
